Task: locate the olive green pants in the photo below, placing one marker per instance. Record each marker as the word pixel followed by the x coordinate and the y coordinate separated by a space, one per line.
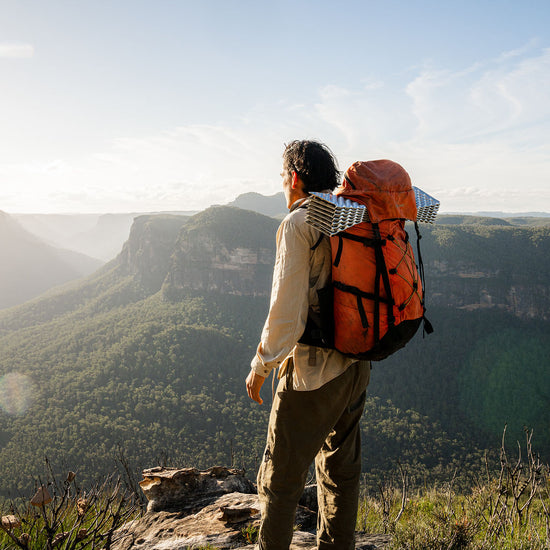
pixel 323 425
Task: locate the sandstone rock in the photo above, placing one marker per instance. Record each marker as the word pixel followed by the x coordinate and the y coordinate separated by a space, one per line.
pixel 193 509
pixel 188 489
pixel 236 514
pixel 210 525
pixel 173 530
pixel 177 531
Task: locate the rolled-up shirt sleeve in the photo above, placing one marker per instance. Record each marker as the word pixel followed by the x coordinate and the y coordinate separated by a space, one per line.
pixel 289 304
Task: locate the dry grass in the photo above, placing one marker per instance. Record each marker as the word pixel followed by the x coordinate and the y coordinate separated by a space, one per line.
pixel 509 509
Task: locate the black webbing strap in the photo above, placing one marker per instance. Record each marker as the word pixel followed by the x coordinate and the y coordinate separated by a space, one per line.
pixel 362 313
pixel 358 292
pixel 381 273
pixel 427 327
pixel 349 181
pixel 377 295
pixel 366 241
pixel 360 295
pixel 338 256
pixel 319 241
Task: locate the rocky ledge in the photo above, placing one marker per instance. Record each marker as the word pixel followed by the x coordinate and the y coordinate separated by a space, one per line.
pixel 216 508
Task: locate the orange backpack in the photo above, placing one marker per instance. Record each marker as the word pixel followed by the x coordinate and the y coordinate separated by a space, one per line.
pixel 378 290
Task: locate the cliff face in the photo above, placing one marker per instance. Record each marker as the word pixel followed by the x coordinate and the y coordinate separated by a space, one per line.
pixel 149 248
pixel 480 290
pixel 224 250
pixel 470 288
pixel 498 267
pixel 232 251
pixel 203 263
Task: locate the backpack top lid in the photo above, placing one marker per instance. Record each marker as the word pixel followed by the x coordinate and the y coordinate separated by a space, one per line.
pixel 383 186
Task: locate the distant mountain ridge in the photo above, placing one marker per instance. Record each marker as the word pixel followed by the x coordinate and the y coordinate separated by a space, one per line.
pixel 498 214
pixel 102 235
pixel 225 249
pixel 229 250
pixel 30 266
pixel 96 235
pixel 272 205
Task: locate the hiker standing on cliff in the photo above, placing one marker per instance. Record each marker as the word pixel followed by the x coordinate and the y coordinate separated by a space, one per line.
pixel 321 393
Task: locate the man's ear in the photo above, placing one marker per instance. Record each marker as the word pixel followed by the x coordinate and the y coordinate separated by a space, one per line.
pixel 295 178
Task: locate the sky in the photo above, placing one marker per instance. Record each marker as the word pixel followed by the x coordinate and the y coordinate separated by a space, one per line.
pixel 162 105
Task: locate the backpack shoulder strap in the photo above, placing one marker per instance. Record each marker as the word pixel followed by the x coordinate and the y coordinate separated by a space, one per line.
pixel 319 241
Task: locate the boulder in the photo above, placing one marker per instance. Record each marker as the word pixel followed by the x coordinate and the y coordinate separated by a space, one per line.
pixel 189 490
pixel 179 530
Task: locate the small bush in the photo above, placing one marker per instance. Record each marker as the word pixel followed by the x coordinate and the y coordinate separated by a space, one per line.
pixel 64 517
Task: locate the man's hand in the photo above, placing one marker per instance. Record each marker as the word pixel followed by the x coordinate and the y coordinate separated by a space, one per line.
pixel 254 383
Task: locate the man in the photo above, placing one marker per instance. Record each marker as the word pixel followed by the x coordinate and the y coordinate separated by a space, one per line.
pixel 321 393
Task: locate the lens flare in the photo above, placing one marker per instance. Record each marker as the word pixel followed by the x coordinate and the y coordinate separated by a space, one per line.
pixel 16 392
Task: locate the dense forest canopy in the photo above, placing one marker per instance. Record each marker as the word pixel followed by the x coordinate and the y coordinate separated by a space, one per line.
pixel 141 361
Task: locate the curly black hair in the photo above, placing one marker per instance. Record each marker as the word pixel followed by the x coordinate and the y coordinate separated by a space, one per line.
pixel 314 163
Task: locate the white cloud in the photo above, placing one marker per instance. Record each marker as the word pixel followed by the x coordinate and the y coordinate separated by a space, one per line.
pixel 13 50
pixel 478 136
pixel 475 138
pixel 365 117
pixel 485 102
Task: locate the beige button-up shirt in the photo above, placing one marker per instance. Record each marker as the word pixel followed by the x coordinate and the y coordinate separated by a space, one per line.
pixel 298 274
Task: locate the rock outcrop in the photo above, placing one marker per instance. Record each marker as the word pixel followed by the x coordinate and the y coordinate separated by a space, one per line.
pixel 217 509
pixel 148 250
pixel 224 250
pixel 188 490
pixel 488 267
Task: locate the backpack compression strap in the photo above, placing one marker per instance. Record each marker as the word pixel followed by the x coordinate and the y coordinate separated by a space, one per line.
pixel 381 274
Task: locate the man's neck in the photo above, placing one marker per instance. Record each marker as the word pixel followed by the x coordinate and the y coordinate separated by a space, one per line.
pixel 297 203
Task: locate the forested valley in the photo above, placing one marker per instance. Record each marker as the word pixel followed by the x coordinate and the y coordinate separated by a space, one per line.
pixel 144 362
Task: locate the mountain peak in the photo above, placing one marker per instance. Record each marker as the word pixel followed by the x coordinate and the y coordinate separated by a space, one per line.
pixel 273 205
